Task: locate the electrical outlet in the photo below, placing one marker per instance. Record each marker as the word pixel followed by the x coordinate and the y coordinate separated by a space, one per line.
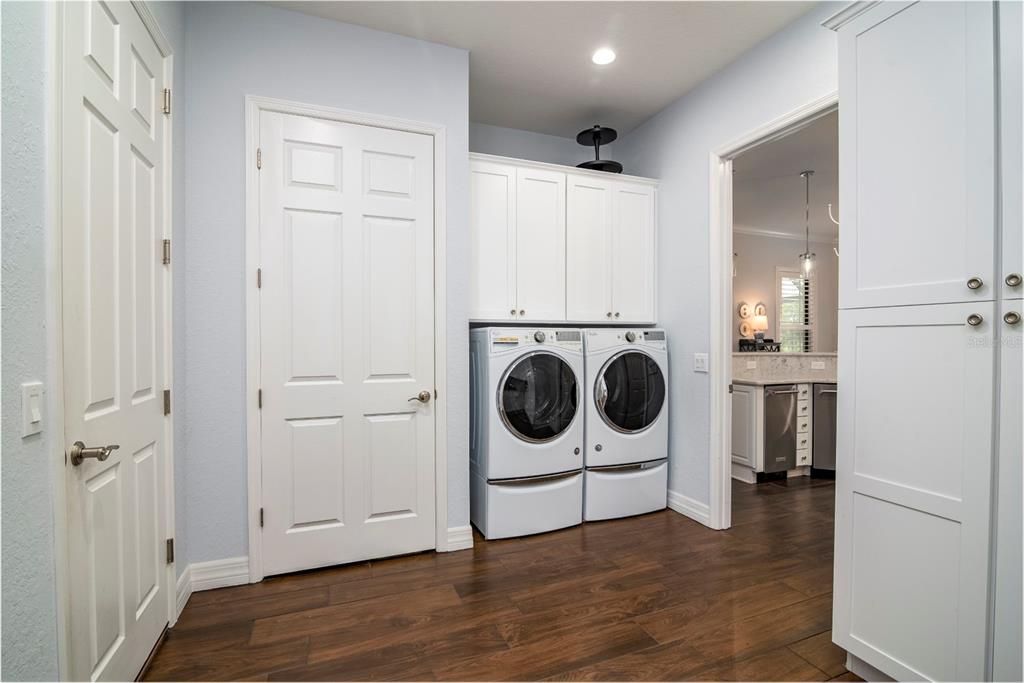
pixel 817 365
pixel 700 362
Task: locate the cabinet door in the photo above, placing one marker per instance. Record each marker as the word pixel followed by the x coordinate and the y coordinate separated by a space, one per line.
pixel 917 154
pixel 1006 632
pixel 744 424
pixel 1011 58
pixel 588 284
pixel 633 272
pixel 540 245
pixel 913 488
pixel 493 234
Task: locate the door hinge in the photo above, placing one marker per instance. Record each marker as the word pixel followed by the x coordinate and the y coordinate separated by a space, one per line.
pixel 259 278
pixel 259 398
pixel 259 158
pixel 261 518
pixel 170 550
pixel 167 401
pixel 167 252
pixel 730 388
pixel 167 101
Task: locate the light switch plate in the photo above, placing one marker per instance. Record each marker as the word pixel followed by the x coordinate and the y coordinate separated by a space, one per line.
pixel 31 408
pixel 700 362
pixel 817 365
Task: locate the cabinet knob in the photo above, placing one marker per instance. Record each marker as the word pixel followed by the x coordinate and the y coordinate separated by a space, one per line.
pixel 616 314
pixel 975 283
pixel 609 314
pixel 1011 317
pixel 974 320
pixel 522 311
pixel 1013 280
pixel 513 311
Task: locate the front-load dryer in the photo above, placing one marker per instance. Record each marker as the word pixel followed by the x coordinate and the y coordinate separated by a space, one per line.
pixel 626 422
pixel 526 430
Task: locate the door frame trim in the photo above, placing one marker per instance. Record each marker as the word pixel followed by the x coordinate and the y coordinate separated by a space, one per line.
pixel 720 278
pixel 54 236
pixel 254 458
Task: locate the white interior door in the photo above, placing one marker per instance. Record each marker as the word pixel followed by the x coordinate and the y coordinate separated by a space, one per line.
pixel 113 329
pixel 347 341
pixel 588 284
pixel 918 154
pixel 913 488
pixel 540 244
pixel 632 273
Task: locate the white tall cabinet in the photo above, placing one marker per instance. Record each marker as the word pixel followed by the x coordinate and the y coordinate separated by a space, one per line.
pixel 560 244
pixel 928 365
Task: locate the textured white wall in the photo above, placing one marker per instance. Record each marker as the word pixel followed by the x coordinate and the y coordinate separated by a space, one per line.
pixel 756 259
pixel 29 605
pixel 789 69
pixel 524 144
pixel 235 50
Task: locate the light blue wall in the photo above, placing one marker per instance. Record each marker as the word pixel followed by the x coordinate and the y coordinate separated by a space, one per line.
pixel 236 50
pixel 29 620
pixel 524 144
pixel 789 69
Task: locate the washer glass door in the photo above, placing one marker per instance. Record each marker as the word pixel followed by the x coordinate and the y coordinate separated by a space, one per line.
pixel 538 397
pixel 630 392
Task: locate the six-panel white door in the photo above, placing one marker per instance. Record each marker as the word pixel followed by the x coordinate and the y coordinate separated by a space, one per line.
pixel 347 342
pixel 112 204
pixel 913 488
pixel 918 154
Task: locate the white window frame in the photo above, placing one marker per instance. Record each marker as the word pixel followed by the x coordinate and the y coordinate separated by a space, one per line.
pixel 812 313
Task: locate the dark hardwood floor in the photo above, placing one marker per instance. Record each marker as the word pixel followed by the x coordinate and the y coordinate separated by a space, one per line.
pixel 657 597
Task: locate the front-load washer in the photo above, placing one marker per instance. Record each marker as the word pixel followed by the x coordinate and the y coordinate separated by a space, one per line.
pixel 526 430
pixel 626 456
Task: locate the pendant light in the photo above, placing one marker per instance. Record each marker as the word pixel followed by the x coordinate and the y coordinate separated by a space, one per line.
pixel 807 258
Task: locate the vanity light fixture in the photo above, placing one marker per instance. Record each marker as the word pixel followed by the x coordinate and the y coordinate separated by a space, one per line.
pixel 603 56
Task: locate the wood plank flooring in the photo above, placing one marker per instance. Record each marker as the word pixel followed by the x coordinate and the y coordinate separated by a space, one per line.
pixel 657 597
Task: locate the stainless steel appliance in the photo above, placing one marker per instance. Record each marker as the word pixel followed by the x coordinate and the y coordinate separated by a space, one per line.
pixel 823 446
pixel 780 427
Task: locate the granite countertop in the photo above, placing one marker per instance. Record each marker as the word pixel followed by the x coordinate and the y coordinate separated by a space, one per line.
pixel 787 380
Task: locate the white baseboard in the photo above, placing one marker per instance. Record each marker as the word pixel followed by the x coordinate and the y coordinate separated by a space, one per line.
pixel 460 538
pixel 183 591
pixel 694 509
pixel 232 571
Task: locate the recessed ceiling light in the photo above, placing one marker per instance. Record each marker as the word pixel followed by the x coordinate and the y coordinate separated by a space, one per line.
pixel 603 56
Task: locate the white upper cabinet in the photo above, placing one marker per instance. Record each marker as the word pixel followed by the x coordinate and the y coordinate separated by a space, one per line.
pixel 632 264
pixel 560 245
pixel 917 154
pixel 1011 59
pixel 493 238
pixel 540 245
pixel 588 286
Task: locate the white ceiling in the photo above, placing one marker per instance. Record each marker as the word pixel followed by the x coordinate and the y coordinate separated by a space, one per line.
pixel 530 62
pixel 768 192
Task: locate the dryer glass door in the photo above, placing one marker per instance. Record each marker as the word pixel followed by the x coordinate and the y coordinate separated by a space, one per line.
pixel 538 397
pixel 630 392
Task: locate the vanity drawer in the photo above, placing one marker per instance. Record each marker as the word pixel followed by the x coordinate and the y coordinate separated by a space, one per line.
pixel 803 456
pixel 803 392
pixel 803 443
pixel 803 425
pixel 803 408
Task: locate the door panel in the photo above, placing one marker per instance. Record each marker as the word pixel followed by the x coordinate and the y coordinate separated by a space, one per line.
pixel 347 330
pixel 540 244
pixel 588 249
pixel 633 254
pixel 918 154
pixel 113 174
pixel 914 488
pixel 1011 150
pixel 493 236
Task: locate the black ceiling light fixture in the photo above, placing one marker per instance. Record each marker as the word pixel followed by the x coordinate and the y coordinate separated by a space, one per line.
pixel 595 137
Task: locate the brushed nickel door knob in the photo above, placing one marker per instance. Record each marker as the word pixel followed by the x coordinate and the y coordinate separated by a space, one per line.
pixel 974 320
pixel 422 397
pixel 79 452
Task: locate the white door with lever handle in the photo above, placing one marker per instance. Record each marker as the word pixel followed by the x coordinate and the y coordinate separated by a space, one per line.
pixel 346 342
